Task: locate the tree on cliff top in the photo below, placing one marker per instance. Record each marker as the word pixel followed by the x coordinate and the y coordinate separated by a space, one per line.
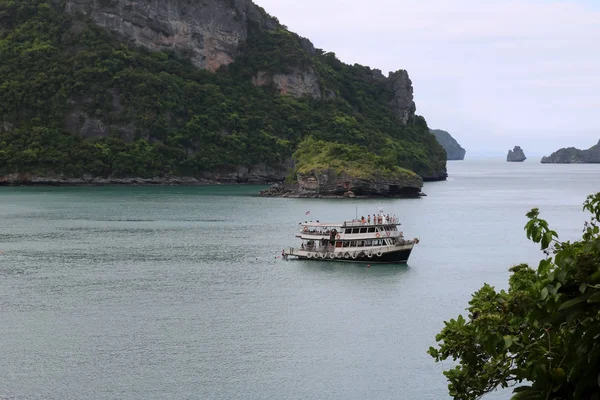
pixel 544 332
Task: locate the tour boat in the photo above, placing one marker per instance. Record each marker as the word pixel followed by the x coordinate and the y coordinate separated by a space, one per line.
pixel 377 241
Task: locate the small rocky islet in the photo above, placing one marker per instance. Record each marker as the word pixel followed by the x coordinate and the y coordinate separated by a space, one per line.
pixel 516 155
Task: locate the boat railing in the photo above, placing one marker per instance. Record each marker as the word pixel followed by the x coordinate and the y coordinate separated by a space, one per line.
pixel 315 233
pixel 359 223
pixel 318 249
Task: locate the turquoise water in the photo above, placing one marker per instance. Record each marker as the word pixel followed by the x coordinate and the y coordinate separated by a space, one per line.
pixel 177 292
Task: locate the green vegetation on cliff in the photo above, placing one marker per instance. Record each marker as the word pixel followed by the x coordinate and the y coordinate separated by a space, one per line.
pixel 75 100
pixel 352 160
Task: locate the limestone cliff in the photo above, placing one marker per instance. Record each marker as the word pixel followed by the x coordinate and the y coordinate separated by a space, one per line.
pixel 516 155
pixel 453 149
pixel 329 183
pixel 6 126
pixel 402 101
pixel 208 32
pixel 572 155
pixel 297 83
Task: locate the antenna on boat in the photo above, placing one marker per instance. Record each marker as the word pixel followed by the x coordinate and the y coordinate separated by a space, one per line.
pixel 356 216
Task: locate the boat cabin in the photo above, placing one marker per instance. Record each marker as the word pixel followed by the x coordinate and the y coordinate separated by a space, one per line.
pixel 349 236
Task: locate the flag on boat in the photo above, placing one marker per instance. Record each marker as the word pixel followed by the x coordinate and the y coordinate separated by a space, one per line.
pixel 306 213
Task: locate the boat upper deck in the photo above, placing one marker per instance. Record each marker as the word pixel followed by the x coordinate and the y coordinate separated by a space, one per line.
pixel 355 223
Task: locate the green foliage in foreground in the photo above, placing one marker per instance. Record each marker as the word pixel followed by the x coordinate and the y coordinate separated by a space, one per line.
pixel 353 160
pixel 543 332
pixel 163 116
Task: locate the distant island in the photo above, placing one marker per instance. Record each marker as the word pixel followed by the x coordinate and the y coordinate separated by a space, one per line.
pixel 571 155
pixel 516 155
pixel 197 92
pixel 453 149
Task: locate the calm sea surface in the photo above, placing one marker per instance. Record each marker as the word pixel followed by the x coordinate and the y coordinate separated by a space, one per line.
pixel 177 292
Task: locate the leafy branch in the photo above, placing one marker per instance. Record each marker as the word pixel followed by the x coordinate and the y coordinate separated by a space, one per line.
pixel 544 331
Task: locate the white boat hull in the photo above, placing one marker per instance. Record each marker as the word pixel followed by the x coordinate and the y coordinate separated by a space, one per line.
pixel 385 254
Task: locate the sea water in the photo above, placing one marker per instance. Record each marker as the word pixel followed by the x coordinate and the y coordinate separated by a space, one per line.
pixel 180 293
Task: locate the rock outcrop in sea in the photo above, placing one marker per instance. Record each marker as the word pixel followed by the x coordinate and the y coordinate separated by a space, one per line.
pixel 453 149
pixel 571 155
pixel 516 155
pixel 329 183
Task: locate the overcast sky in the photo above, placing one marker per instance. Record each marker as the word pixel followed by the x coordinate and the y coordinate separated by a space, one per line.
pixel 494 73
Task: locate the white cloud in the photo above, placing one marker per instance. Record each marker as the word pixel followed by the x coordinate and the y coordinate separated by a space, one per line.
pixel 495 73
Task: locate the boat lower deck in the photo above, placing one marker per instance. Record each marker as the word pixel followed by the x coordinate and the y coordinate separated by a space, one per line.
pixel 386 254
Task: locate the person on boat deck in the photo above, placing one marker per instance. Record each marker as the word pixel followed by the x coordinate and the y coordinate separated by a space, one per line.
pixel 362 219
pixel 302 246
pixel 369 219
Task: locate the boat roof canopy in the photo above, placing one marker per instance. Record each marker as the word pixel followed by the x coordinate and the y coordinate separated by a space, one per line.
pixel 346 224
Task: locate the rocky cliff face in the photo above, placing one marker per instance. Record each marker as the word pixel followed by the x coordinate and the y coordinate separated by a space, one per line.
pixel 328 183
pixel 402 102
pixel 6 126
pixel 453 149
pixel 298 83
pixel 571 155
pixel 208 32
pixel 516 155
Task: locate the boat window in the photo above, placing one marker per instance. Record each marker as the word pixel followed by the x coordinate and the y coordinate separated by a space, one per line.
pixel 363 230
pixel 338 244
pixel 347 230
pixel 353 244
pixel 369 243
pixel 355 230
pixel 371 230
